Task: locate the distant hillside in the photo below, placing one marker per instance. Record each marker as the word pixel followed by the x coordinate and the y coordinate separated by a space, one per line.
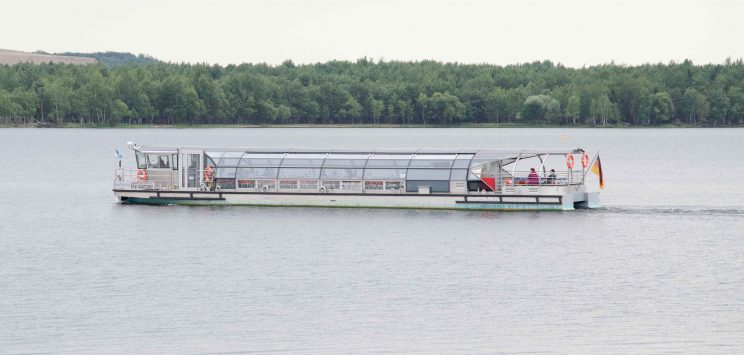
pixel 13 57
pixel 114 58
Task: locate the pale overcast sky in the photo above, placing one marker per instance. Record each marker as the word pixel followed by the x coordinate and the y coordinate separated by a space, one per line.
pixel 573 32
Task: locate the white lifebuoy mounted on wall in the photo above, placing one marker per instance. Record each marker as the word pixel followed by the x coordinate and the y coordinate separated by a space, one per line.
pixel 265 188
pixel 322 189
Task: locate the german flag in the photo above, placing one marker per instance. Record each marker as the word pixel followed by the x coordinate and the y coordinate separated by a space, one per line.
pixel 597 169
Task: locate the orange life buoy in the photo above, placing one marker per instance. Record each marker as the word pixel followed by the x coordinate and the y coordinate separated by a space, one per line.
pixel 584 160
pixel 208 174
pixel 141 175
pixel 570 161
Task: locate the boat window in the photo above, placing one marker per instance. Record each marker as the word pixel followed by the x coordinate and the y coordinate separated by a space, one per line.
pixel 158 161
pixel 300 173
pixel 225 172
pixel 331 185
pixel 389 160
pixel 373 185
pixel 393 185
pixel 174 161
pixel 459 174
pixel 303 160
pixel 265 160
pixel 341 173
pixel 230 159
pixel 428 174
pixel 246 184
pixel 288 184
pixel 351 185
pixel 432 161
pixel 225 183
pixel 434 185
pixel 141 160
pixel 384 174
pixel 346 160
pixel 208 161
pixel 266 185
pixel 257 173
pixel 463 161
pixel 308 184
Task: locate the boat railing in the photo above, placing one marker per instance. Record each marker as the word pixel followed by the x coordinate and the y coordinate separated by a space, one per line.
pixel 168 179
pixel 150 179
pixel 560 178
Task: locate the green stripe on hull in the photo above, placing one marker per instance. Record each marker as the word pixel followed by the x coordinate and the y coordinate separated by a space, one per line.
pixel 470 206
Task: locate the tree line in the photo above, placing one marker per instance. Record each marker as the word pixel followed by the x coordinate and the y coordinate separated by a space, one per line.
pixel 373 92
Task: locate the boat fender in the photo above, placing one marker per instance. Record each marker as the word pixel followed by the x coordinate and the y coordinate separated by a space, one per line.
pixel 584 160
pixel 570 161
pixel 141 175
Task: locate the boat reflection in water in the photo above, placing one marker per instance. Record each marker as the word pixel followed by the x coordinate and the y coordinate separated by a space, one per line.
pixel 484 179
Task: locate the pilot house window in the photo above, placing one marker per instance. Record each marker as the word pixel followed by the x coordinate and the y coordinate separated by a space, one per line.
pixel 158 161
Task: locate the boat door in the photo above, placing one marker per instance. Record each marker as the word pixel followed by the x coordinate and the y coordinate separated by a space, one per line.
pixel 191 163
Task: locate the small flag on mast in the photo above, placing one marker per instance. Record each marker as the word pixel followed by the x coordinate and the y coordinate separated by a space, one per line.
pixel 117 155
pixel 597 169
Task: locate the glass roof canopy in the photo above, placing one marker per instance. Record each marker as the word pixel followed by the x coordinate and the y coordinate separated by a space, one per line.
pixel 341 165
pixel 355 164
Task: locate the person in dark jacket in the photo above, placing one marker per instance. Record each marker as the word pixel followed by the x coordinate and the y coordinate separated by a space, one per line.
pixel 552 177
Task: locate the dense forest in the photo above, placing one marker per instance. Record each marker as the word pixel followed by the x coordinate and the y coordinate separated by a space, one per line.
pixel 373 92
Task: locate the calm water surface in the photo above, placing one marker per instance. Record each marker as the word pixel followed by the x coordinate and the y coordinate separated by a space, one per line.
pixel 660 268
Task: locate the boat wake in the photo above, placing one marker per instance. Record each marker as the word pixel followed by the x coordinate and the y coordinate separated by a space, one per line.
pixel 676 210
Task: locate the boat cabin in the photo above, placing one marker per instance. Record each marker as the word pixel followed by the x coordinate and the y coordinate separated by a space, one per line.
pixel 367 171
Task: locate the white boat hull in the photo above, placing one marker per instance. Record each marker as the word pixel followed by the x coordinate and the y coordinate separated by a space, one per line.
pixel 565 201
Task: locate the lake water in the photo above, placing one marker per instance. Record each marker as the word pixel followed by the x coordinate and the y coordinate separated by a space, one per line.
pixel 660 268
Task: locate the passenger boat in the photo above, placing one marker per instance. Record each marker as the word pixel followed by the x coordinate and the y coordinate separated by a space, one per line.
pixel 481 179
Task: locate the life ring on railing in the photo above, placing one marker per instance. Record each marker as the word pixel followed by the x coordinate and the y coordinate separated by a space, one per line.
pixel 570 161
pixel 265 188
pixel 323 189
pixel 208 173
pixel 584 160
pixel 141 175
pixel 507 181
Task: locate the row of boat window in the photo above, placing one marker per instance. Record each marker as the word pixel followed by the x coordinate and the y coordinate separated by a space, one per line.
pixel 340 174
pixel 341 166
pixel 314 160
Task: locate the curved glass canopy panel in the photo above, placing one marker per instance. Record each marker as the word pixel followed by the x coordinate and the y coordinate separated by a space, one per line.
pixel 346 160
pixel 303 160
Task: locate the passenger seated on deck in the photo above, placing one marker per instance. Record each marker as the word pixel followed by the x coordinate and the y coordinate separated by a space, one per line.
pixel 552 177
pixel 533 178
